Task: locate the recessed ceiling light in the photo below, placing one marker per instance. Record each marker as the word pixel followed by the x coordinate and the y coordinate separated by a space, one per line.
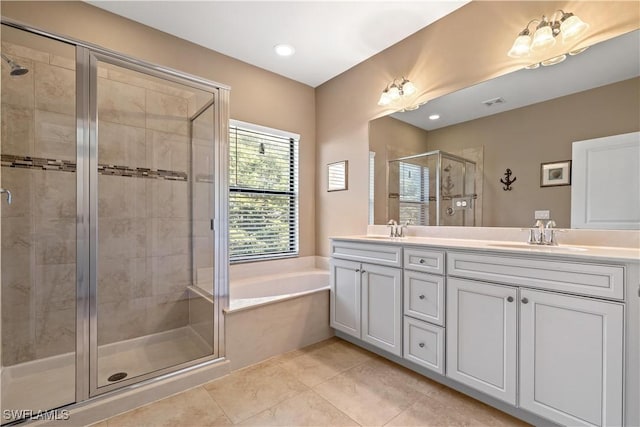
pixel 434 117
pixel 284 49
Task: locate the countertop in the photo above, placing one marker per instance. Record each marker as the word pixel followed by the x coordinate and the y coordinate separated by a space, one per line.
pixel 592 253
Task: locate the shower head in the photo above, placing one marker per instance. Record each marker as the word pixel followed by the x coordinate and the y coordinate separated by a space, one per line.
pixel 16 69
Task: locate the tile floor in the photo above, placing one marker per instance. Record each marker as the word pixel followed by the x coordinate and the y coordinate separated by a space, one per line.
pixel 331 383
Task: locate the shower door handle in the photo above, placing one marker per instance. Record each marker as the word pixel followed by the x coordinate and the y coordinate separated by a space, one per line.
pixel 9 198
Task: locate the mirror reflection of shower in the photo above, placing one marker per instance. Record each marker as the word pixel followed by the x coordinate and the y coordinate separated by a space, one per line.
pixel 16 69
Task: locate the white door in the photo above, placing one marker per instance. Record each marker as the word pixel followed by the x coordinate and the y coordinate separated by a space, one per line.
pixel 571 358
pixel 482 336
pixel 382 307
pixel 345 296
pixel 605 192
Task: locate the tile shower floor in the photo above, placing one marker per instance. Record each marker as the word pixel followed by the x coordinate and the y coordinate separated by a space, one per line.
pixel 332 383
pixel 50 382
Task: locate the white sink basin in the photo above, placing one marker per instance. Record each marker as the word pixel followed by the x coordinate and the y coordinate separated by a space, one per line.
pixel 537 247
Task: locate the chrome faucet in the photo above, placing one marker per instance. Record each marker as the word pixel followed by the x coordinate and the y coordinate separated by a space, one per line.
pixel 9 198
pixel 397 230
pixel 543 234
pixel 393 226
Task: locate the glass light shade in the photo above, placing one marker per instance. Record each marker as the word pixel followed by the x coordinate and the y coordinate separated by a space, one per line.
pixel 578 51
pixel 553 61
pixel 521 47
pixel 572 27
pixel 385 99
pixel 394 93
pixel 543 38
pixel 408 88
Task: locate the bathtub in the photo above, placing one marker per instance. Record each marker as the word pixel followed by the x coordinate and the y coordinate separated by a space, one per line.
pixel 257 291
pixel 275 307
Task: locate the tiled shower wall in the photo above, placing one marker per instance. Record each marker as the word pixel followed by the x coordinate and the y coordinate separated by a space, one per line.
pixel 38 229
pixel 144 206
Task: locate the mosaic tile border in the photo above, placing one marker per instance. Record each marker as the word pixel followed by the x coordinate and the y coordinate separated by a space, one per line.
pixel 28 162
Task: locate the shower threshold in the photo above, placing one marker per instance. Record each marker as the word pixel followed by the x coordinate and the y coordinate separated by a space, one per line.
pixel 50 382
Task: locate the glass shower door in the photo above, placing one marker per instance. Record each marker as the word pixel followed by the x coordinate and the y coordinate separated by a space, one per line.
pixel 38 227
pixel 151 235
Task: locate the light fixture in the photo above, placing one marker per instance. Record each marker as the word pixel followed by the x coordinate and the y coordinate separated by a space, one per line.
pixel 543 38
pixel 397 90
pixel 434 117
pixel 284 49
pixel 553 61
pixel 566 23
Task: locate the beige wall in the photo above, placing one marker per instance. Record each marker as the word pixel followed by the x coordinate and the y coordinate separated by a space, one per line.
pixel 464 48
pixel 524 138
pixel 257 96
pixel 390 139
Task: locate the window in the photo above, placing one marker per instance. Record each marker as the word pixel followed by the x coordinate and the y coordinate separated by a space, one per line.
pixel 263 192
pixel 372 186
pixel 414 194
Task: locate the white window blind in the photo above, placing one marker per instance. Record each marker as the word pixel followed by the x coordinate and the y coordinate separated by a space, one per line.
pixel 263 193
pixel 414 194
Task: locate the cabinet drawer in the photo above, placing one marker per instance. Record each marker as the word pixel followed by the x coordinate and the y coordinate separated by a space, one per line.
pixel 367 252
pixel 424 344
pixel 580 278
pixel 424 296
pixel 424 260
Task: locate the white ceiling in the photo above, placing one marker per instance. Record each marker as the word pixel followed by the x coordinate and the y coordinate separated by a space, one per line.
pixel 608 62
pixel 329 36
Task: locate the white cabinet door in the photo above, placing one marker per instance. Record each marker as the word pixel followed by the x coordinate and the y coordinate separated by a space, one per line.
pixel 382 307
pixel 482 337
pixel 571 358
pixel 345 296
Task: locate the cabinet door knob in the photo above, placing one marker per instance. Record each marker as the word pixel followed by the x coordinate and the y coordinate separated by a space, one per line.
pixel 421 345
pixel 362 271
pixel 357 270
pixel 422 261
pixel 524 300
pixel 422 297
pixel 510 299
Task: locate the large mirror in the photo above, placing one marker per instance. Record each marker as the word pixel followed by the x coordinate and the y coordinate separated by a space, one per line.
pixel 515 123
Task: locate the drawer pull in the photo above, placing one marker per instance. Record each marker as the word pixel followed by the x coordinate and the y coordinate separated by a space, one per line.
pixel 510 299
pixel 524 300
pixel 421 345
pixel 422 297
pixel 422 261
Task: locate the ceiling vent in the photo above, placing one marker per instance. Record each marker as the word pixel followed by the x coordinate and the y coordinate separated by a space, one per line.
pixel 490 102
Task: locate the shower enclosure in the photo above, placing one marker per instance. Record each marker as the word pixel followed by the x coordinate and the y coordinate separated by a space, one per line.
pixel 116 174
pixel 434 188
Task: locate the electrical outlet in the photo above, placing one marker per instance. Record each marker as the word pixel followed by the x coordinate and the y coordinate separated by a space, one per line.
pixel 541 214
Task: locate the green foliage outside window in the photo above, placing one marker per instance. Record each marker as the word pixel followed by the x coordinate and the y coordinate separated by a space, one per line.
pixel 263 195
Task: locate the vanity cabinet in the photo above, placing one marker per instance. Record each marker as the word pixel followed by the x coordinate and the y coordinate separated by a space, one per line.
pixel 571 353
pixel 366 298
pixel 546 335
pixel 482 321
pixel 424 308
pixel 570 347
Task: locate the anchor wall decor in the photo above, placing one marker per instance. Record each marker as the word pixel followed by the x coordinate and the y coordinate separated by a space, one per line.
pixel 507 181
